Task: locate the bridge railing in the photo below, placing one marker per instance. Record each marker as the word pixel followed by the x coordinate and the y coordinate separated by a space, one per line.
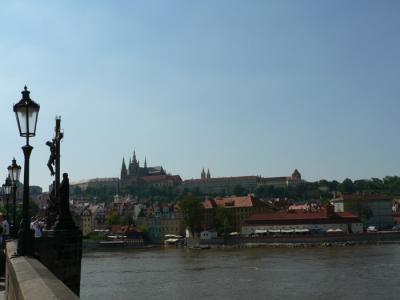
pixel 28 279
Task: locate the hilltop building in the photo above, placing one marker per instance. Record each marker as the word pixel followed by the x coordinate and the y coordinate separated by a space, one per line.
pixel 156 176
pixel 284 181
pixel 111 182
pixel 134 169
pixel 207 184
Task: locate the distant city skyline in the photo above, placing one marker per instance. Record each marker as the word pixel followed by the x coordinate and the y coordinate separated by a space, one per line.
pixel 241 88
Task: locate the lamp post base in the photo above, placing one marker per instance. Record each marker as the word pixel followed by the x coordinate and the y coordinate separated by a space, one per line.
pixel 25 234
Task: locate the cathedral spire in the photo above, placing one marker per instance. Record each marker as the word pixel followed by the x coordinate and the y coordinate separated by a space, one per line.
pixel 208 174
pixel 145 162
pixel 124 171
pixel 203 174
pixel 134 156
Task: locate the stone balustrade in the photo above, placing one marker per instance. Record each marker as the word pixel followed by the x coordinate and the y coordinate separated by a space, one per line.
pixel 29 279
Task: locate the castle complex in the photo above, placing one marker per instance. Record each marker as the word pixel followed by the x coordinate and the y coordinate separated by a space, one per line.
pixel 157 176
pixel 135 170
pixel 135 174
pixel 206 184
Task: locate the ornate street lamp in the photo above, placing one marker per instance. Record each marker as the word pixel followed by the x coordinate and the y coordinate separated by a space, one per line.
pixel 26 111
pixel 7 192
pixel 14 171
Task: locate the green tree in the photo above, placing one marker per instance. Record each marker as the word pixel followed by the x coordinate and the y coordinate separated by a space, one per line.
pixel 347 186
pixel 113 218
pixel 126 219
pixel 333 185
pixel 145 232
pixel 226 229
pixel 238 190
pixel 192 212
pixel 76 191
pixel 222 219
pixel 391 184
pixel 33 208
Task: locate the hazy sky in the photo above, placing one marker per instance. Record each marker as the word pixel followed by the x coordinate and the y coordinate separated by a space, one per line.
pixel 240 87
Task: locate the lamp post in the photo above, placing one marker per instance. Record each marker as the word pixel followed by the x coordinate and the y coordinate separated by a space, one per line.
pixel 7 192
pixel 14 171
pixel 26 112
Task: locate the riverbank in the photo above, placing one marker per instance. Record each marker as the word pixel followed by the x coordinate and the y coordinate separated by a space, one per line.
pixel 297 245
pixel 96 245
pixel 339 240
pixel 304 241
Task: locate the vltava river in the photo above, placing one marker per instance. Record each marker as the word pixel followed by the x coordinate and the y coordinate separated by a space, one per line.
pixel 356 272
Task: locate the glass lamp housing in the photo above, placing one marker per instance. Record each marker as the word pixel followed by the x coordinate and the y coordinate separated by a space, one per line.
pixel 7 187
pixel 14 171
pixel 26 112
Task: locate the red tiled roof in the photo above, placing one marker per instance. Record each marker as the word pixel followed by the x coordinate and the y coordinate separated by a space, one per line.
pixel 118 229
pixel 122 229
pixel 228 202
pixel 209 203
pixel 302 218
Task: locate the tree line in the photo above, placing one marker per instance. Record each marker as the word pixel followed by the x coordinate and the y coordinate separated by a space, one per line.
pixel 322 189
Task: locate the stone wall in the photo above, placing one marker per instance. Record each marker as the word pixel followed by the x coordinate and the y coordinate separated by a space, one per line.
pixel 61 252
pixel 305 239
pixel 28 279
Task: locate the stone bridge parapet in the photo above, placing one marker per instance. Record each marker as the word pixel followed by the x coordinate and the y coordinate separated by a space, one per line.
pixel 29 279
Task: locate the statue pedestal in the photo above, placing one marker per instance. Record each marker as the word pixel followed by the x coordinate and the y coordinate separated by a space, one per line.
pixel 61 252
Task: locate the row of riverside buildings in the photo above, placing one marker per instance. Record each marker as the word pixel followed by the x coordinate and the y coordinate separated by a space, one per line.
pixel 346 213
pixel 350 213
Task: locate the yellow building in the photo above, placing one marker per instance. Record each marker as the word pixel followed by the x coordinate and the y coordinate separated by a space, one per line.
pixel 86 222
pixel 240 208
pixel 173 226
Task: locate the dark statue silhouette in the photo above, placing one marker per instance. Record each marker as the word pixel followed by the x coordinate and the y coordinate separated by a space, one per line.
pixel 58 214
pixel 52 208
pixel 52 157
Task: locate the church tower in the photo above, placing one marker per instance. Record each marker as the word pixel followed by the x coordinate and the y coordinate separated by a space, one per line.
pixel 145 171
pixel 124 171
pixel 296 175
pixel 208 174
pixel 203 174
pixel 134 166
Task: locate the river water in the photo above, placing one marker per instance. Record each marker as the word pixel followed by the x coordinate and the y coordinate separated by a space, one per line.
pixel 355 272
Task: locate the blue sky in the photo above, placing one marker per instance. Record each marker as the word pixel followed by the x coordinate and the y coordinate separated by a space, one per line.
pixel 240 87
